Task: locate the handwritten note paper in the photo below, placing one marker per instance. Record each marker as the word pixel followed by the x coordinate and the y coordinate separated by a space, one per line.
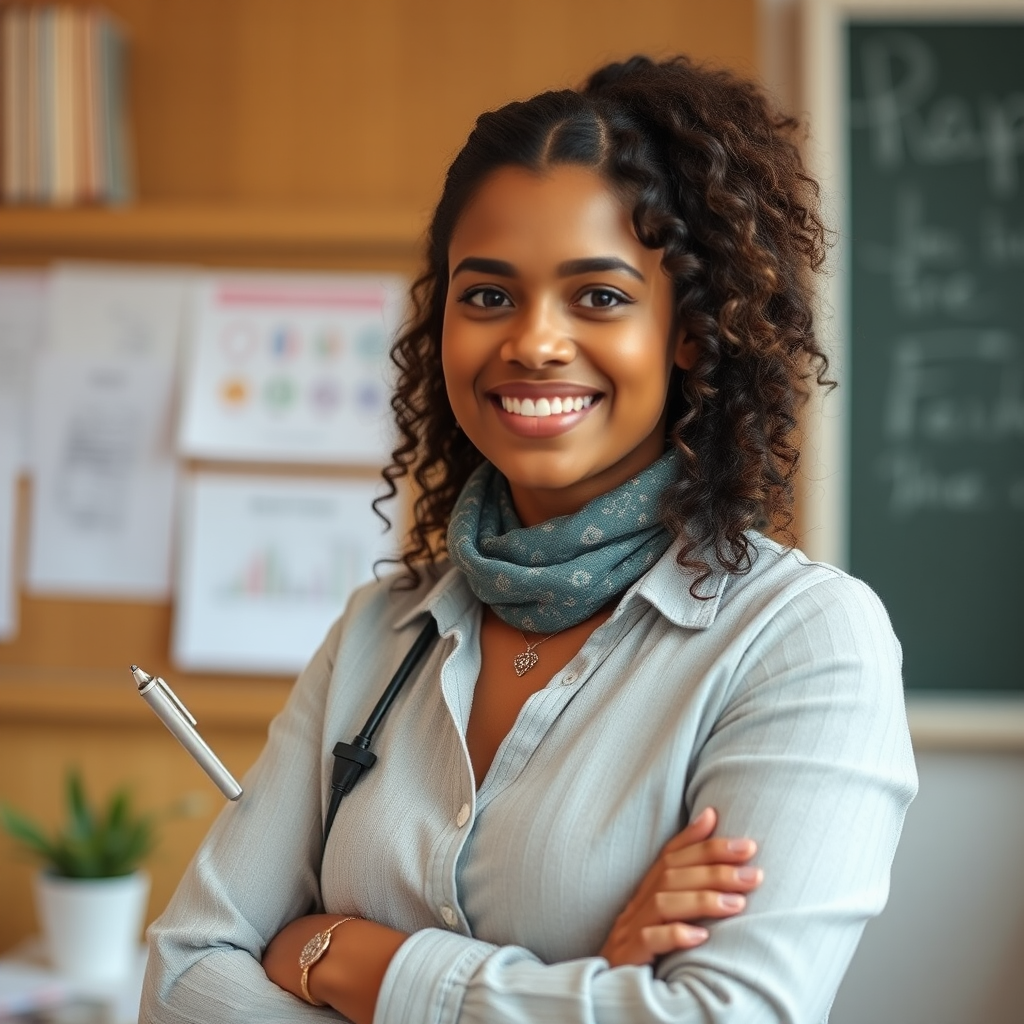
pixel 116 309
pixel 102 412
pixel 265 566
pixel 22 316
pixel 291 368
pixel 104 480
pixel 8 510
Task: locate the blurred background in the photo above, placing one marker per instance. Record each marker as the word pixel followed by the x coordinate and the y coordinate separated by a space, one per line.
pixel 312 136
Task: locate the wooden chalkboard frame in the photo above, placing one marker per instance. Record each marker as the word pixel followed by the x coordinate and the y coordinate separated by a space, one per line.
pixel 959 720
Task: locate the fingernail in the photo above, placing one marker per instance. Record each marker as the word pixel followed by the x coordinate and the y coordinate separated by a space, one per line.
pixel 740 845
pixel 731 901
pixel 698 933
pixel 748 874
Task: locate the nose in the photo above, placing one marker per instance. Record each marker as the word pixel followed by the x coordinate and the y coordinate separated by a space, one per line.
pixel 538 337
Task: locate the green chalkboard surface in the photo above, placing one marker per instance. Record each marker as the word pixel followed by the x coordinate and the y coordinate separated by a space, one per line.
pixel 936 346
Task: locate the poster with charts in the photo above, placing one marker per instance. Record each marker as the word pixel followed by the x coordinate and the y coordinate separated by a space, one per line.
pixel 266 564
pixel 291 368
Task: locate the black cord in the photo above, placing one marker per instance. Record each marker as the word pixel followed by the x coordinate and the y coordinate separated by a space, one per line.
pixel 352 759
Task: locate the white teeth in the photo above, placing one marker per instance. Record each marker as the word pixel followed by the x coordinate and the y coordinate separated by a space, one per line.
pixel 545 406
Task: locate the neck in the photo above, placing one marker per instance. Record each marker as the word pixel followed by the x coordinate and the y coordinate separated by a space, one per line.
pixel 536 505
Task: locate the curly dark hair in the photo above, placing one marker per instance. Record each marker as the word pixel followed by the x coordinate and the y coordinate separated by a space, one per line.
pixel 714 179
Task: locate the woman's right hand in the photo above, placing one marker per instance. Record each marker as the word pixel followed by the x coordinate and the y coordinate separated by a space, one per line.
pixel 694 877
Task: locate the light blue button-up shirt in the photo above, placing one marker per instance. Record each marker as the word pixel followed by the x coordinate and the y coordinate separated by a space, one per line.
pixel 777 700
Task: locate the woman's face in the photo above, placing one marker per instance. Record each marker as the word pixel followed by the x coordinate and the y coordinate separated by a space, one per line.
pixel 558 337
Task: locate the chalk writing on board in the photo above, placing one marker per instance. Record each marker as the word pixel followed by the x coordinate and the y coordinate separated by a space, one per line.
pixel 935 367
pixel 915 485
pixel 928 410
pixel 926 395
pixel 908 117
pixel 928 265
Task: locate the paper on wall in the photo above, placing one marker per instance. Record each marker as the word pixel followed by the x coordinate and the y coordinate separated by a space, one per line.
pixel 104 476
pixel 22 312
pixel 102 448
pixel 266 564
pixel 291 368
pixel 8 520
pixel 117 309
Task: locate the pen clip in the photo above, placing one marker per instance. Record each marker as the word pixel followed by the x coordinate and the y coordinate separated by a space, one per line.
pixel 185 713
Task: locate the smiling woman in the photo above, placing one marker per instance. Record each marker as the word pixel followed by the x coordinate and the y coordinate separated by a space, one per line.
pixel 635 691
pixel 553 297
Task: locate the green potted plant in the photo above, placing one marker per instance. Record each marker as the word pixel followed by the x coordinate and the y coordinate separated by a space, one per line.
pixel 91 891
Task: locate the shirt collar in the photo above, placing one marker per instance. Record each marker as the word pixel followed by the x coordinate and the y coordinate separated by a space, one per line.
pixel 667 588
pixel 448 600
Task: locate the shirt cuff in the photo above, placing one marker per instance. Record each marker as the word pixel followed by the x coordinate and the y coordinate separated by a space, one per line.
pixel 426 979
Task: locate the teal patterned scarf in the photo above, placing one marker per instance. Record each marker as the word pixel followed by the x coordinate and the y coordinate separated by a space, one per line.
pixel 545 578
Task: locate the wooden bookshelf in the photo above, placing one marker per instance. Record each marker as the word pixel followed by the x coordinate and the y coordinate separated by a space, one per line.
pixel 203 232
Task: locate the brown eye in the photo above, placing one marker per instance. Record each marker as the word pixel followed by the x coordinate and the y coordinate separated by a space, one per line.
pixel 602 298
pixel 486 298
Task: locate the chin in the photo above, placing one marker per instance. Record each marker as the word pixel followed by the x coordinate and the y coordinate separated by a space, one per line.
pixel 520 473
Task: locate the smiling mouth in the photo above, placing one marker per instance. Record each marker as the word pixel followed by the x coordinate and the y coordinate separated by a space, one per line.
pixel 544 407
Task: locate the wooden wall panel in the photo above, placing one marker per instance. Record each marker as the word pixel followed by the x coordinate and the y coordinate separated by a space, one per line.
pixel 314 101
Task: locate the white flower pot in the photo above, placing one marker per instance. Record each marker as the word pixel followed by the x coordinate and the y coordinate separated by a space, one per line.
pixel 92 927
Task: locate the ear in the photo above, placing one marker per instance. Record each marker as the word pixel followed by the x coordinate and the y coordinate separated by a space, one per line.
pixel 685 352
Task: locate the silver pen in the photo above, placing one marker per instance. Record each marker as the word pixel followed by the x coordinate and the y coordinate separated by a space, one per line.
pixel 169 709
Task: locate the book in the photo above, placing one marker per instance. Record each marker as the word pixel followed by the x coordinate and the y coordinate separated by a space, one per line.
pixel 15 45
pixel 64 129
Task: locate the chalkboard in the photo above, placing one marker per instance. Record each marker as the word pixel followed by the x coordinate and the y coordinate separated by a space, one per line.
pixel 935 354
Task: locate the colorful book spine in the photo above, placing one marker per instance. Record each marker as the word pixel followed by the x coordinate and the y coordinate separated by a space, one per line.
pixel 64 132
pixel 32 111
pixel 15 42
pixel 44 70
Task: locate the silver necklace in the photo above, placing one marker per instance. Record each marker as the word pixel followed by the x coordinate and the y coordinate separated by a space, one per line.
pixel 522 663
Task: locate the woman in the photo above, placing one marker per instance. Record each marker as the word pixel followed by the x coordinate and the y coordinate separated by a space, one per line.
pixel 597 397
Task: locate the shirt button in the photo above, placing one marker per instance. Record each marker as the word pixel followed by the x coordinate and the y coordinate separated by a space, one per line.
pixel 448 915
pixel 463 816
pixel 569 678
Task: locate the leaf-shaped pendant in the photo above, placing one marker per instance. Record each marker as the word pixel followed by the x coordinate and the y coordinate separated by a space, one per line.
pixel 524 662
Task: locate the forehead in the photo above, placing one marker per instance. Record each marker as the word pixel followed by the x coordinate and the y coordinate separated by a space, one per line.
pixel 563 213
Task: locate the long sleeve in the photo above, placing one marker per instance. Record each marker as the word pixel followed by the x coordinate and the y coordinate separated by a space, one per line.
pixel 256 870
pixel 811 756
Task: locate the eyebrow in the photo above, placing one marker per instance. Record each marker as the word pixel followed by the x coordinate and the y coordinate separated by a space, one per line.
pixel 597 265
pixel 570 268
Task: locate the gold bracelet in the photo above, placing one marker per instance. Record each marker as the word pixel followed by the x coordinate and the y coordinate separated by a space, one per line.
pixel 311 953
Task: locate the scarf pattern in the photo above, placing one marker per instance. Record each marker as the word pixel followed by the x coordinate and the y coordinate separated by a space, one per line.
pixel 545 578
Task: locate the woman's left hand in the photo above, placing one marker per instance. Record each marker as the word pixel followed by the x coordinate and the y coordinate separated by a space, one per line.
pixel 695 877
pixel 348 976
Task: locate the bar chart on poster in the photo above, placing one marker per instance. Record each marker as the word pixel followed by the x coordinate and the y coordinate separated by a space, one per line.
pixel 935 352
